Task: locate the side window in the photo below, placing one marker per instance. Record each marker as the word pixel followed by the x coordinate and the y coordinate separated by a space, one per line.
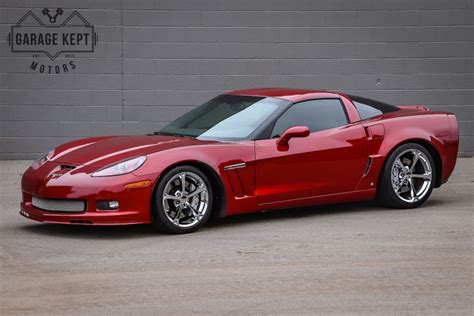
pixel 366 111
pixel 368 108
pixel 318 115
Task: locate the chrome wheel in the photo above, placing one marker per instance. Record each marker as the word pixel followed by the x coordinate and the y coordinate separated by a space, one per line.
pixel 411 175
pixel 185 199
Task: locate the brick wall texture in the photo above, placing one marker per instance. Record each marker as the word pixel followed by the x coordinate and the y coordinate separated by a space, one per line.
pixel 157 59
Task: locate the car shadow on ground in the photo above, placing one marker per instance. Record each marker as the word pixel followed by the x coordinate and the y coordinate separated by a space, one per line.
pixel 144 231
pixel 311 211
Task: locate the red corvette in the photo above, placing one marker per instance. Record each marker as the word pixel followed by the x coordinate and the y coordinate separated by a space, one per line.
pixel 247 151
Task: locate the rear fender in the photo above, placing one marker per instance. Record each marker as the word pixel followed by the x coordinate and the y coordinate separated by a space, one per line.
pixel 433 130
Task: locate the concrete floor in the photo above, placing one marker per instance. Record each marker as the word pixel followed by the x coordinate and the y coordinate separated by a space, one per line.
pixel 346 259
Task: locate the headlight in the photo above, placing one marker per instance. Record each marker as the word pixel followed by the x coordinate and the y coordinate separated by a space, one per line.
pixel 45 157
pixel 123 167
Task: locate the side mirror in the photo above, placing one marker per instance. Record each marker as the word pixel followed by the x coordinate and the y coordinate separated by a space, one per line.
pixel 295 131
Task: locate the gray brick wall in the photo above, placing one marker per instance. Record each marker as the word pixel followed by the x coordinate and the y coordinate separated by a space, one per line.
pixel 156 59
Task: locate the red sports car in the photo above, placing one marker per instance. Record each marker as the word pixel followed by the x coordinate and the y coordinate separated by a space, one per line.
pixel 247 151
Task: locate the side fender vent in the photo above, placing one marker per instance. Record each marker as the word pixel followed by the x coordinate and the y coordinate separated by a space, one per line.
pixel 367 168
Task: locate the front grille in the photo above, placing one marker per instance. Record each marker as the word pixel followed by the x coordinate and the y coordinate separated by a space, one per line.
pixel 66 206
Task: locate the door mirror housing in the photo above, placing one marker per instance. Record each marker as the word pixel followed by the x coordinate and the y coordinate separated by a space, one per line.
pixel 295 131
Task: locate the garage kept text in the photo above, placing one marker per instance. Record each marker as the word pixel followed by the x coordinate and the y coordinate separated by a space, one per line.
pixel 72 36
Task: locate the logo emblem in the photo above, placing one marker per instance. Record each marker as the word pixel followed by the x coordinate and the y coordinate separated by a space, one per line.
pixel 52 19
pixel 57 174
pixel 71 36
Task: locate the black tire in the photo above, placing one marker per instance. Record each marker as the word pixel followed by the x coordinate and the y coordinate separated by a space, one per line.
pixel 386 194
pixel 160 218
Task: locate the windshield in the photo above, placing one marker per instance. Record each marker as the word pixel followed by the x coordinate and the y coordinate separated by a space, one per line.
pixel 225 117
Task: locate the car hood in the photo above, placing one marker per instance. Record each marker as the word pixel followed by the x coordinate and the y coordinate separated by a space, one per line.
pixel 102 151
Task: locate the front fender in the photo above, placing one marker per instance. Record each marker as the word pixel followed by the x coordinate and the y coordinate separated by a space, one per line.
pixel 239 184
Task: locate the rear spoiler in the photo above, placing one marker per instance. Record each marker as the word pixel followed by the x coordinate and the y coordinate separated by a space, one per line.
pixel 414 107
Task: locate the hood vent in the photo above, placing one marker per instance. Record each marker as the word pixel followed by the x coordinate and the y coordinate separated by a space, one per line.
pixel 67 167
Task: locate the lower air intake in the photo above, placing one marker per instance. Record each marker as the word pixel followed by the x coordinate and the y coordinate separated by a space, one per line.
pixel 66 206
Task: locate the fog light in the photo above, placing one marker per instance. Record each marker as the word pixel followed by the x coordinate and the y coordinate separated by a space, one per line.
pixel 114 204
pixel 107 205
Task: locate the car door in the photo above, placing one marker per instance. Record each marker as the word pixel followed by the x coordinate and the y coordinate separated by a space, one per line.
pixel 330 160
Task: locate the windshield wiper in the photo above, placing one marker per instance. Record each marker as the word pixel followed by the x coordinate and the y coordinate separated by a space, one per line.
pixel 171 134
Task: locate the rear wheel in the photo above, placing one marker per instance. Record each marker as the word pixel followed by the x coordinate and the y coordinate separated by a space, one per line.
pixel 408 177
pixel 182 201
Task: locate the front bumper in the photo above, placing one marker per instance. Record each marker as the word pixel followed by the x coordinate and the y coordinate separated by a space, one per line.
pixel 86 218
pixel 134 203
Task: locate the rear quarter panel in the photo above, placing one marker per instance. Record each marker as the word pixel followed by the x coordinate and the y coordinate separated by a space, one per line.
pixel 436 128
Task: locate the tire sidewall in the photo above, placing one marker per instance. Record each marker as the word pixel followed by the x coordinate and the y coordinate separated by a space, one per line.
pixel 158 216
pixel 386 194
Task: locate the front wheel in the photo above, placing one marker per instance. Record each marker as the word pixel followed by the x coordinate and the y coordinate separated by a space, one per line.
pixel 182 201
pixel 408 177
